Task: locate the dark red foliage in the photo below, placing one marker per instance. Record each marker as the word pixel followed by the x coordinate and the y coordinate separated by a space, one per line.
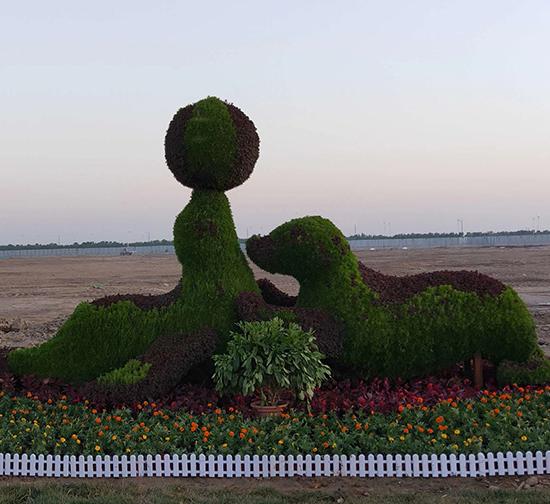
pixel 248 145
pixel 171 358
pixel 377 396
pixel 274 296
pixel 247 152
pixel 142 301
pixel 395 289
pixel 382 396
pixel 328 332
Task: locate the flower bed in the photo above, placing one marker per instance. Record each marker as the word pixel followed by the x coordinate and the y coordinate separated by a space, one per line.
pixel 508 420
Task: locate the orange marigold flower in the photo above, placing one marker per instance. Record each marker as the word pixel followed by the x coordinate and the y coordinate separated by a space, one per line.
pixel 98 420
pixel 325 444
pixel 439 419
pixel 242 435
pixel 231 434
pixel 218 411
pixel 443 427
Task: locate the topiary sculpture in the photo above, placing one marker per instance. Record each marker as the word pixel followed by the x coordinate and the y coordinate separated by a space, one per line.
pixel 211 146
pixel 397 326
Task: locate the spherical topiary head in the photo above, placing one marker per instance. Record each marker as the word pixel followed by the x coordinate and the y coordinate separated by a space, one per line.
pixel 211 145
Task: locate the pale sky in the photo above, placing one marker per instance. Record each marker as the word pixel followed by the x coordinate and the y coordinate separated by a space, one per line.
pixel 411 112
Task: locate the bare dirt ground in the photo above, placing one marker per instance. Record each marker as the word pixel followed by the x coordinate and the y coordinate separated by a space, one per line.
pixel 37 294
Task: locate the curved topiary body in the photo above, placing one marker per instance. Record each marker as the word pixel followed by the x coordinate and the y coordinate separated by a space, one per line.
pixel 211 146
pixel 450 317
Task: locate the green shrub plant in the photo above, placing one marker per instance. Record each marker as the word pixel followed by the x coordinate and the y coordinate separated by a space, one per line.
pixel 268 358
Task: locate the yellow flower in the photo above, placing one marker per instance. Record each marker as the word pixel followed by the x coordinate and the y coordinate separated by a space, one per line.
pixel 62 439
pixel 524 438
pixel 144 436
pixel 113 437
pixel 280 441
pixel 457 431
pixel 444 436
pixel 97 448
pixel 402 438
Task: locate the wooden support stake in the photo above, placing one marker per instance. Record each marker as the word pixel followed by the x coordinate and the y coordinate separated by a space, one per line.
pixel 478 370
pixel 468 371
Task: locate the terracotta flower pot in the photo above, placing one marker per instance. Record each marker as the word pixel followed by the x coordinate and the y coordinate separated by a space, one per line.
pixel 267 411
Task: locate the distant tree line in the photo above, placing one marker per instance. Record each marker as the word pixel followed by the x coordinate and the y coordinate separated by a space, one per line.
pixel 400 236
pixel 361 236
pixel 88 244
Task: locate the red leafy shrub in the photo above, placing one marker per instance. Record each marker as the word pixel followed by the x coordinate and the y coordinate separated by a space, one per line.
pixel 329 333
pixel 381 395
pixel 274 296
pixel 398 289
pixel 171 358
pixel 142 301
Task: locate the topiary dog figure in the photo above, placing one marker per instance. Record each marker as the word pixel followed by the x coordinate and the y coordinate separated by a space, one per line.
pixel 211 146
pixel 397 326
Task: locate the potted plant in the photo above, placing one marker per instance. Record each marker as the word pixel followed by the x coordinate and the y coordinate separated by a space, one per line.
pixel 267 359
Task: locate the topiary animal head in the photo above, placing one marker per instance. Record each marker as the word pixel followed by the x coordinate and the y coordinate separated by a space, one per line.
pixel 304 248
pixel 212 145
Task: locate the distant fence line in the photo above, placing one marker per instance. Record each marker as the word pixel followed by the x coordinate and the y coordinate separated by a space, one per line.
pixel 528 240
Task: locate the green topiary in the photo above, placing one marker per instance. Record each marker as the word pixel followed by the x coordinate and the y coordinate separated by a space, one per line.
pixel 446 319
pixel 210 146
pixel 536 371
pixel 132 372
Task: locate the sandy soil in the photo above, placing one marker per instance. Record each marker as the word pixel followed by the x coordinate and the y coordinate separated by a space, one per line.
pixel 37 294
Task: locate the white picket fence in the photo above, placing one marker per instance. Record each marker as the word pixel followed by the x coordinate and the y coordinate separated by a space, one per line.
pixel 228 466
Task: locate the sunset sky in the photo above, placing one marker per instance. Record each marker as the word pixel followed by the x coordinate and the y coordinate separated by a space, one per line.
pixel 416 113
